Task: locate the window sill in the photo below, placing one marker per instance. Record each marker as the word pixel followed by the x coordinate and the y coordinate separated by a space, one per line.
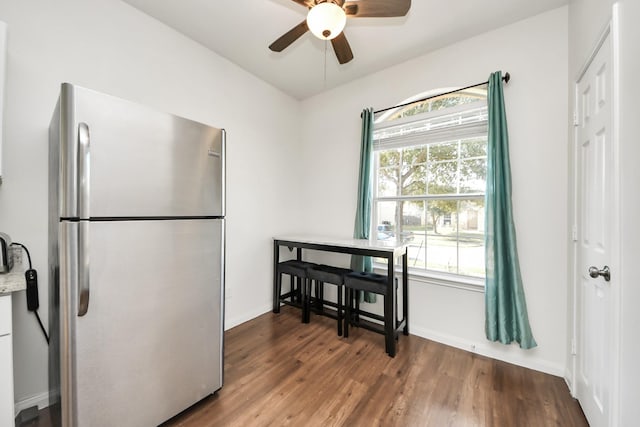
pixel 473 284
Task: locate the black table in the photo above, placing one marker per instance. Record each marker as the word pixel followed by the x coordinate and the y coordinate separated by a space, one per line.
pixel 391 250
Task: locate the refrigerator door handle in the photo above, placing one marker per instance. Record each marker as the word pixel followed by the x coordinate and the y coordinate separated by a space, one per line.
pixel 84 170
pixel 84 143
pixel 83 268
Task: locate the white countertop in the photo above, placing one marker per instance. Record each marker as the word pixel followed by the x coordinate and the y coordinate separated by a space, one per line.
pixel 390 245
pixel 12 282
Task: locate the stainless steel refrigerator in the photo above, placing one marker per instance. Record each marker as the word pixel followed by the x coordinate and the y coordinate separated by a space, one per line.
pixel 136 257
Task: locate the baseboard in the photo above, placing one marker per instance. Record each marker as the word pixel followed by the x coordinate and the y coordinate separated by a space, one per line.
pixel 569 381
pixel 40 400
pixel 484 349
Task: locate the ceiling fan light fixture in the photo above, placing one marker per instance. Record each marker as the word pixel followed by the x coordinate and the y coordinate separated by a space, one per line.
pixel 326 20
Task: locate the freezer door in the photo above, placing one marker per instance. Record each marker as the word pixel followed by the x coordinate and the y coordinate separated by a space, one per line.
pixel 126 160
pixel 150 342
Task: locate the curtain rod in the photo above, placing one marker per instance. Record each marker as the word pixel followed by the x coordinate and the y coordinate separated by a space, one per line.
pixel 506 79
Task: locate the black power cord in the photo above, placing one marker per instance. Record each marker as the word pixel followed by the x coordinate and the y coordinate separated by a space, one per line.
pixel 31 277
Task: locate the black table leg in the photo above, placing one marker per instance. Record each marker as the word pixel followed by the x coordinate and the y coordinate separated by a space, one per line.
pixel 389 310
pixel 303 291
pixel 405 293
pixel 276 279
pixel 306 292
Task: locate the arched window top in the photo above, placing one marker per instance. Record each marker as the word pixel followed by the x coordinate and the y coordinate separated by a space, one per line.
pixel 434 102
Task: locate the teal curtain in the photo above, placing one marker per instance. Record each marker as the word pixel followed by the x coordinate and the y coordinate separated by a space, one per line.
pixel 363 209
pixel 506 310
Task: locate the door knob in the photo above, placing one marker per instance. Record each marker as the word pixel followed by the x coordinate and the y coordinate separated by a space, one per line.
pixel 605 272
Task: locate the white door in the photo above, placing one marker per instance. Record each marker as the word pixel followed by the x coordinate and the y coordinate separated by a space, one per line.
pixel 596 227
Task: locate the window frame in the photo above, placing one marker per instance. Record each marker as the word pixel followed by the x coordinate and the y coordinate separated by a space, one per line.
pixel 460 132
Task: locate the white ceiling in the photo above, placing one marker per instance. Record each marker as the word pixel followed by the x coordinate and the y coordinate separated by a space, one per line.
pixel 242 30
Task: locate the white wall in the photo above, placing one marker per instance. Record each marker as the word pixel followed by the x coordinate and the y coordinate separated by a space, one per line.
pixel 587 19
pixel 108 46
pixel 534 51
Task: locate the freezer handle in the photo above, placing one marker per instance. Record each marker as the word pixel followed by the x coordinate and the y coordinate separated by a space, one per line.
pixel 84 170
pixel 84 145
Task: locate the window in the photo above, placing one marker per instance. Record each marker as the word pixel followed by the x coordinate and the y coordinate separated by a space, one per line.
pixel 430 176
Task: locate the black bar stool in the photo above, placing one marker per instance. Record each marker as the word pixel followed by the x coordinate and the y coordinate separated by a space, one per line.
pixel 297 270
pixel 368 282
pixel 322 274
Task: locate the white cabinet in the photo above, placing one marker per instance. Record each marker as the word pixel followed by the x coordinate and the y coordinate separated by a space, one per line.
pixel 6 362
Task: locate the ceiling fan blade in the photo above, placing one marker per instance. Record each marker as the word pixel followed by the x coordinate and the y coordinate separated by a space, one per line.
pixel 376 8
pixel 306 3
pixel 342 49
pixel 289 37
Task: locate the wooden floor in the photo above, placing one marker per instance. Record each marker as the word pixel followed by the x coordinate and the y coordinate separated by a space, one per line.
pixel 280 372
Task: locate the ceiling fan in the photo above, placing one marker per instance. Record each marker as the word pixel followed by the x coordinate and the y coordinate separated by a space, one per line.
pixel 326 20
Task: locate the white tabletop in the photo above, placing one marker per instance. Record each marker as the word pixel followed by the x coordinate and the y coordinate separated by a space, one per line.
pixel 389 245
